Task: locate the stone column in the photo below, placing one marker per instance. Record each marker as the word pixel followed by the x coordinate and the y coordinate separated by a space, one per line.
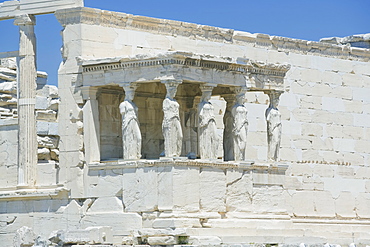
pixel 240 126
pixel 91 125
pixel 171 125
pixel 228 140
pixel 207 130
pixel 273 119
pixel 131 134
pixel 27 76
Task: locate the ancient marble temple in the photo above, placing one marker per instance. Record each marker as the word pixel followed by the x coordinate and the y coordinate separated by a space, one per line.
pixel 171 133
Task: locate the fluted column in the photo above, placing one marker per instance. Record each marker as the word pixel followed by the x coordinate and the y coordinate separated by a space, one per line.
pixel 207 130
pixel 91 124
pixel 131 134
pixel 27 75
pixel 273 119
pixel 171 125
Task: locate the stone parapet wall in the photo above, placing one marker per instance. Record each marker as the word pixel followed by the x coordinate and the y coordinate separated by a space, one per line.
pixel 46 105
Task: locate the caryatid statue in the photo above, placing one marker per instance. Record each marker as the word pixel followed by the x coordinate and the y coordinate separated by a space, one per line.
pixel 240 126
pixel 171 125
pixel 273 118
pixel 207 130
pixel 131 134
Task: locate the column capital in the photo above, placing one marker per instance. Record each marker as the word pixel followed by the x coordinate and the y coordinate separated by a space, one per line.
pixel 171 87
pixel 207 87
pixel 241 90
pixel 129 89
pixel 89 93
pixel 24 19
pixel 274 98
pixel 273 93
pixel 171 82
pixel 129 86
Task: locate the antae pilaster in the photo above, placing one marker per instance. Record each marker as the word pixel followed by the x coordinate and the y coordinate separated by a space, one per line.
pixel 27 150
pixel 91 124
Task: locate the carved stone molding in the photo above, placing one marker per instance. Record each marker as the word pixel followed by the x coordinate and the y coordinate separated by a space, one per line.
pixel 178 66
pixel 33 194
pixel 187 60
pixel 133 22
pixel 10 9
pixel 25 20
pixel 278 168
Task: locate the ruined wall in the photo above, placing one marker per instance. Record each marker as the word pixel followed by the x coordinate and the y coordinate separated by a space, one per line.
pixel 47 101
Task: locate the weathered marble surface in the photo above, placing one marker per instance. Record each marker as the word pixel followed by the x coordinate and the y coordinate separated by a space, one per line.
pixel 358 40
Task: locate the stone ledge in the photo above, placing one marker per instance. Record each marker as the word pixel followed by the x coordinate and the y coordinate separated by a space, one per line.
pixel 330 221
pixel 31 194
pixel 182 161
pixel 9 121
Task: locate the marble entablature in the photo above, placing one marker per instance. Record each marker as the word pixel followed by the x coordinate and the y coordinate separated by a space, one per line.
pixel 171 133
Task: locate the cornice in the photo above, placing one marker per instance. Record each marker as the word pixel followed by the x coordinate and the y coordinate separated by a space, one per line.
pixel 278 168
pixel 128 21
pixel 181 59
pixel 303 47
pixel 33 194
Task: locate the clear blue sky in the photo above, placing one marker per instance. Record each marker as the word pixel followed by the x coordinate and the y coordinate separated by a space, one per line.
pixel 302 19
